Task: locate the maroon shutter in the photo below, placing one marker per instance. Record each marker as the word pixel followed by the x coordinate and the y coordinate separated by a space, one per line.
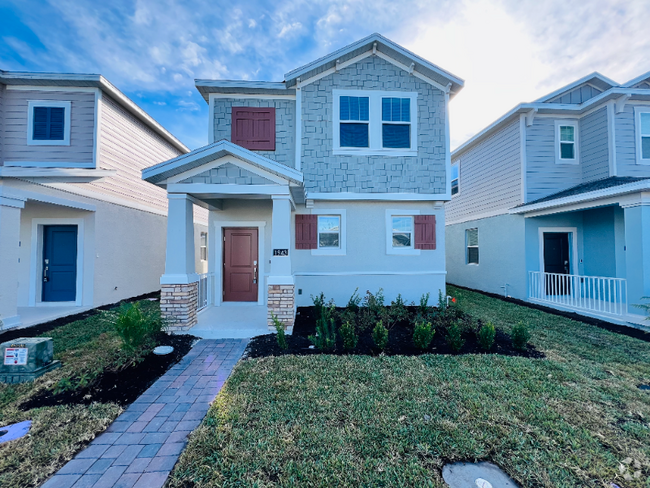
pixel 253 128
pixel 425 231
pixel 306 231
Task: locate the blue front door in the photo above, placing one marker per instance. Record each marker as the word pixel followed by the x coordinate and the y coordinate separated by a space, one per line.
pixel 59 263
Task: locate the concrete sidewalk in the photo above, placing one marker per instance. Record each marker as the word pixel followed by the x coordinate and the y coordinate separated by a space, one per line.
pixel 141 447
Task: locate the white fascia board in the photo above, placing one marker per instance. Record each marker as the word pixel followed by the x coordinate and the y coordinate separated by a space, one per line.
pixel 393 197
pixel 637 186
pixel 54 173
pixel 227 189
pixel 636 80
pixel 24 195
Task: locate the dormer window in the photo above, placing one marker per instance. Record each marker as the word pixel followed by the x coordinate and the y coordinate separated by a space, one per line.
pixel 566 142
pixel 48 123
pixel 368 123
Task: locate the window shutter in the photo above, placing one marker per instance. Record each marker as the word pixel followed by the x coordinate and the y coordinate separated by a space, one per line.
pixel 425 231
pixel 306 231
pixel 253 128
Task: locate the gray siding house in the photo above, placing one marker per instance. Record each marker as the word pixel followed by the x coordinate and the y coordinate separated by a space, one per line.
pixel 78 226
pixel 551 203
pixel 331 180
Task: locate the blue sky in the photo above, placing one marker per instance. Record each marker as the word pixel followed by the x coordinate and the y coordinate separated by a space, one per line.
pixel 508 51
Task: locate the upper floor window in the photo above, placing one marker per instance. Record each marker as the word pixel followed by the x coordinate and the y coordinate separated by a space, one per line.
pixel 375 123
pixel 566 142
pixel 253 128
pixel 455 179
pixel 203 249
pixel 48 123
pixel 643 134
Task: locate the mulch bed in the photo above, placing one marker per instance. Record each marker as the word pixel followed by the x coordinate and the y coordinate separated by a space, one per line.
pixel 400 342
pixel 121 387
pixel 40 329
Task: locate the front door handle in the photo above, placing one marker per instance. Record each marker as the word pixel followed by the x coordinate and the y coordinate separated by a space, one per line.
pixel 255 274
pixel 45 268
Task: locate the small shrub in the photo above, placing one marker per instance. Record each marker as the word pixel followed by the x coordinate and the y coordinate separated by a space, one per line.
pixel 319 304
pixel 380 336
pixel 280 335
pixel 644 306
pixel 454 337
pixel 398 311
pixel 423 309
pixel 423 335
pixel 136 326
pixel 354 301
pixel 372 310
pixel 486 336
pixel 349 336
pixel 325 338
pixel 520 336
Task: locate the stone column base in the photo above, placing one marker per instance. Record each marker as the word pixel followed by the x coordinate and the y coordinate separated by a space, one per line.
pixel 281 303
pixel 178 304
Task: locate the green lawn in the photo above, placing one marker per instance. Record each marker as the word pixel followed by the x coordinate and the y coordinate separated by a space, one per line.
pixel 576 418
pixel 85 348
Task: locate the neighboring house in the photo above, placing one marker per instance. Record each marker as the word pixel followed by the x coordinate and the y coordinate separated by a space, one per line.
pixel 78 226
pixel 551 203
pixel 329 181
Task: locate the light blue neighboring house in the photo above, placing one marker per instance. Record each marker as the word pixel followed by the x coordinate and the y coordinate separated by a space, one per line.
pixel 551 203
pixel 329 181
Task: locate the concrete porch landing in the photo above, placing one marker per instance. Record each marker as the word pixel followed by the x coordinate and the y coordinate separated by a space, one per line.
pixel 231 322
pixel 37 315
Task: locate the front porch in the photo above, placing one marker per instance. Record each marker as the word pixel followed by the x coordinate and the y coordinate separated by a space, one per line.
pixel 249 279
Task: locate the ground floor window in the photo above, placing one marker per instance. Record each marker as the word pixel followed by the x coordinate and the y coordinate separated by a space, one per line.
pixel 471 241
pixel 402 230
pixel 329 232
pixel 203 249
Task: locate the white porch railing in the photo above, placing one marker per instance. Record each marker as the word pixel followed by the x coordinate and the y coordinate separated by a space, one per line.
pixel 592 293
pixel 205 290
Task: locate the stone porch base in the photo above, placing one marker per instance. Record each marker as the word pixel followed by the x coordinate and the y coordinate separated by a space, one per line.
pixel 178 304
pixel 281 304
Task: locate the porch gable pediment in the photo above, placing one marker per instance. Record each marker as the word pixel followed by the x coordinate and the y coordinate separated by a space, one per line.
pixel 228 173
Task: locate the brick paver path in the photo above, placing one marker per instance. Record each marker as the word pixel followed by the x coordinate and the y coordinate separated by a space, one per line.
pixel 142 446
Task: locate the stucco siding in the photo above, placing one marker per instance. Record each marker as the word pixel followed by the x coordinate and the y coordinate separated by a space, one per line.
pixel 501 255
pixel 544 175
pixel 285 128
pixel 626 145
pixel 326 172
pixel 594 146
pixel 82 126
pixel 490 176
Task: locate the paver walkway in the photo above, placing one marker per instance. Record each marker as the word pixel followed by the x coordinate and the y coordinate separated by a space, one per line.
pixel 140 448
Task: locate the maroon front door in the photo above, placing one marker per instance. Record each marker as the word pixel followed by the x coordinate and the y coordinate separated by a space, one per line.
pixel 240 265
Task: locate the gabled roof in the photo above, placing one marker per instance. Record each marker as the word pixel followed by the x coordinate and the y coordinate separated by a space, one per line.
pixel 595 79
pixel 159 173
pixel 93 81
pixel 384 45
pixel 206 87
pixel 638 79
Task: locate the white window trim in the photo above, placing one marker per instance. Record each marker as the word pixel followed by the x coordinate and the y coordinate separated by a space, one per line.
pixel 637 137
pixel 374 124
pixel 576 141
pixel 342 250
pixel 451 179
pixel 403 251
pixel 467 246
pixel 31 104
pixel 201 246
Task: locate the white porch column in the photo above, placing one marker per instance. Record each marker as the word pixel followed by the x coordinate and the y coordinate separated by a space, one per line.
pixel 637 253
pixel 10 209
pixel 281 289
pixel 179 290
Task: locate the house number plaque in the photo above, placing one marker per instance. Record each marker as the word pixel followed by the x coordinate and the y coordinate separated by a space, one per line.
pixel 280 252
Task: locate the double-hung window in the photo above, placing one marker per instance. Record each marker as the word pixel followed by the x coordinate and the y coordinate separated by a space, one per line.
pixel 329 232
pixel 402 230
pixel 48 123
pixel 369 122
pixel 566 142
pixel 455 179
pixel 203 249
pixel 471 242
pixel 643 135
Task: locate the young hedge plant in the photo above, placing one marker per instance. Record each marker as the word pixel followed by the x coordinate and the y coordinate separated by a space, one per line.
pixel 486 335
pixel 520 336
pixel 454 337
pixel 349 336
pixel 423 335
pixel 280 335
pixel 325 338
pixel 380 336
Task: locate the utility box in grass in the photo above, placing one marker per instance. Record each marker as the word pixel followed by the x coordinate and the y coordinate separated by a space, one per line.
pixel 26 358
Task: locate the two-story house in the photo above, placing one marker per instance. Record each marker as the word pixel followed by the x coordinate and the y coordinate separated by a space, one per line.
pixel 551 203
pixel 331 180
pixel 78 226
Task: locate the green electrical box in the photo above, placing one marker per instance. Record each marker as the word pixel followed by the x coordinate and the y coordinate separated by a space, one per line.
pixel 26 358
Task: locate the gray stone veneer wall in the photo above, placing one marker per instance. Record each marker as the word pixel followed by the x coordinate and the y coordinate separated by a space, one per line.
pixel 285 125
pixel 228 174
pixel 324 172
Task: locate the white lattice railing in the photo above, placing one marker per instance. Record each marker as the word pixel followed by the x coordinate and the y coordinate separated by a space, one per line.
pixel 205 290
pixel 592 293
